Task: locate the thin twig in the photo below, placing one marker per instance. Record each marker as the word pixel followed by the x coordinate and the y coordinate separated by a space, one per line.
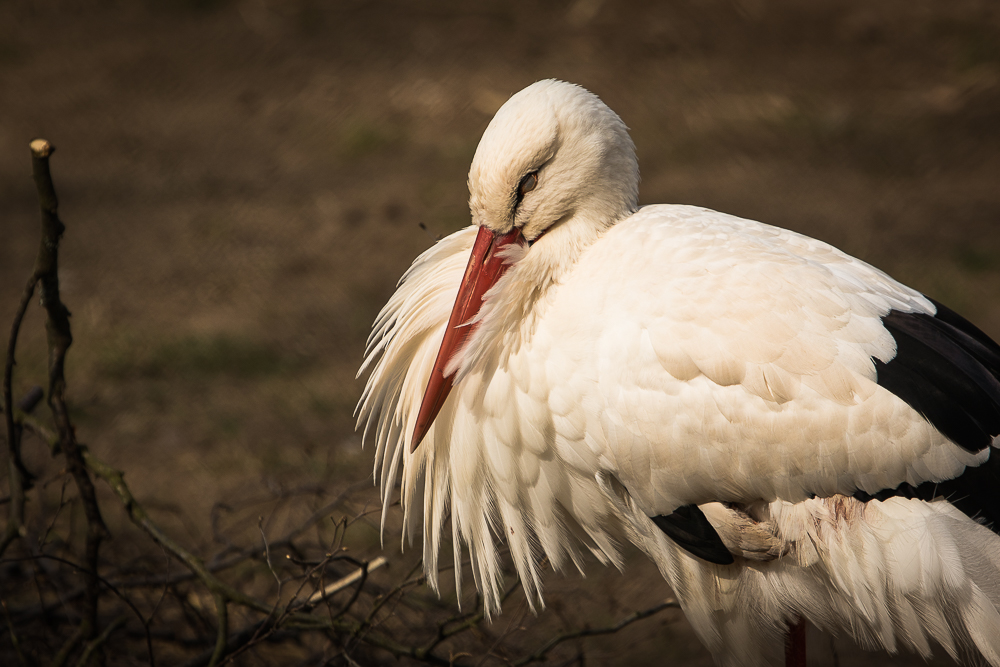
pixel 267 623
pixel 542 652
pixel 98 641
pixel 469 621
pixel 222 616
pixel 138 515
pixel 17 474
pixel 233 646
pixel 13 635
pixel 241 554
pixel 68 647
pixel 109 585
pixel 30 400
pixel 369 620
pixel 55 515
pixel 39 429
pixel 267 554
pixel 344 582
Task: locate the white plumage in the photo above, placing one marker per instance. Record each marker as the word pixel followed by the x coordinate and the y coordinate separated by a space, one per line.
pixel 631 362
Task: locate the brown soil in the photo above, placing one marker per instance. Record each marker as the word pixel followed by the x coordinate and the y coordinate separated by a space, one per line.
pixel 244 182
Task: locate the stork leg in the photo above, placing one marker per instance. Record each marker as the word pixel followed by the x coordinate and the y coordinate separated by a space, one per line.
pixel 795 644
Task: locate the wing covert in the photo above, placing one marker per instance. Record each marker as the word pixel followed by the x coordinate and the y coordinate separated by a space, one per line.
pixel 765 345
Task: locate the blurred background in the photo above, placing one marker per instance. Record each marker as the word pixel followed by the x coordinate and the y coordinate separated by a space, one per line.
pixel 243 182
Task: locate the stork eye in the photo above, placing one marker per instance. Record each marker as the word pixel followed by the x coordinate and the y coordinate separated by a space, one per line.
pixel 527 184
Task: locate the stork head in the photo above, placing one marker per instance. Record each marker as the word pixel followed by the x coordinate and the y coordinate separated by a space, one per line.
pixel 554 156
pixel 552 152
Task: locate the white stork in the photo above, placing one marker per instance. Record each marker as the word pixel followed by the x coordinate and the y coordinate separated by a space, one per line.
pixel 785 430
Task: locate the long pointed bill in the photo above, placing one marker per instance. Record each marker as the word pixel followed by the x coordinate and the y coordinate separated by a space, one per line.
pixel 484 270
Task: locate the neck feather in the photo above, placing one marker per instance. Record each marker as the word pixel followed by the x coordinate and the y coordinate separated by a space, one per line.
pixel 512 306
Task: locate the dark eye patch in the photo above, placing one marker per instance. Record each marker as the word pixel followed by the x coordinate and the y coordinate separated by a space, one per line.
pixel 527 184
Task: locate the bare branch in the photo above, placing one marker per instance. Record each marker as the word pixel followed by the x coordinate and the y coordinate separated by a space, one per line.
pixel 59 339
pixel 98 641
pixel 16 471
pixel 109 585
pixel 138 515
pixel 13 634
pixel 543 651
pixel 68 647
pixel 344 582
pixel 222 615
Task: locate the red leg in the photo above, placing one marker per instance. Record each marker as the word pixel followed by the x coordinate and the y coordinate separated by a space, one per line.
pixel 795 644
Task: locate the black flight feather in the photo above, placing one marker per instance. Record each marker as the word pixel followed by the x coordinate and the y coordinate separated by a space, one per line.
pixel 948 370
pixel 979 345
pixel 689 528
pixel 974 492
pixel 936 372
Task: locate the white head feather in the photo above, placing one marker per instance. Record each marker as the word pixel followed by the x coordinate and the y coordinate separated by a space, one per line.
pixel 588 179
pixel 580 148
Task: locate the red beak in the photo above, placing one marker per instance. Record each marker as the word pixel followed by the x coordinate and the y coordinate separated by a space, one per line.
pixel 484 270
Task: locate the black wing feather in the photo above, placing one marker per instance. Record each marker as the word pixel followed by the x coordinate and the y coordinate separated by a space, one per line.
pixel 981 346
pixel 974 492
pixel 937 375
pixel 689 528
pixel 948 370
